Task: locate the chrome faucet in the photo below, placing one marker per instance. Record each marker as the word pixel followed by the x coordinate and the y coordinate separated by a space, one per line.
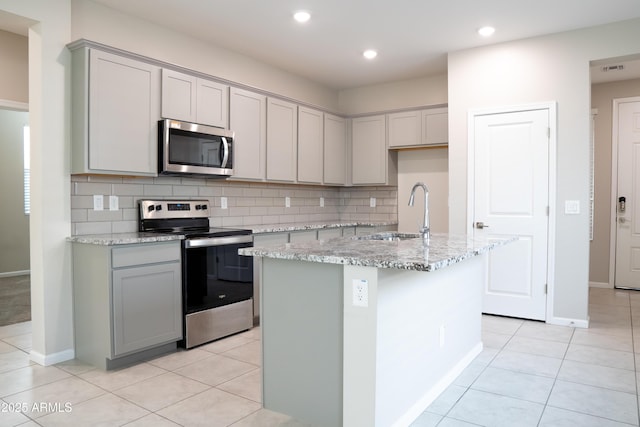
pixel 425 230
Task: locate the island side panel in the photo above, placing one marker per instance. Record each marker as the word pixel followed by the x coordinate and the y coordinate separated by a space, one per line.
pixel 429 330
pixel 302 321
pixel 359 384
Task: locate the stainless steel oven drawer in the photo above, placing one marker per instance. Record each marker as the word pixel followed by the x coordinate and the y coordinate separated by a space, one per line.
pixel 208 325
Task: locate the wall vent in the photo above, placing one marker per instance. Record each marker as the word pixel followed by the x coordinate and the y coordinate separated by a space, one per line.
pixel 619 67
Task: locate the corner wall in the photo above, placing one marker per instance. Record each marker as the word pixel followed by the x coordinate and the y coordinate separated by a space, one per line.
pixel 541 69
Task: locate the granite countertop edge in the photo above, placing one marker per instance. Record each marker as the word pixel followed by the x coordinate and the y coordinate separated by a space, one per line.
pixel 138 237
pixel 443 250
pixel 123 238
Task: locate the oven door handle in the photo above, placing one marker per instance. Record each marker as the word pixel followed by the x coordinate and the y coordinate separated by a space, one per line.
pixel 202 242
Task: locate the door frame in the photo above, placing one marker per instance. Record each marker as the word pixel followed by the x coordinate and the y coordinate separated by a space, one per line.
pixel 551 106
pixel 613 235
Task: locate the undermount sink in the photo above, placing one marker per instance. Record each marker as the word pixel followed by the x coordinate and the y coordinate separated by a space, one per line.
pixel 390 236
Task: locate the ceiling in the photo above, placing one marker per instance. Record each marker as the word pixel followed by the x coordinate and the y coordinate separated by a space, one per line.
pixel 411 36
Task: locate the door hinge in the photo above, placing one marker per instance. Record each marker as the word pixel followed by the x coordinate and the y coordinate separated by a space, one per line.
pixel 547 210
pixel 545 288
pixel 548 132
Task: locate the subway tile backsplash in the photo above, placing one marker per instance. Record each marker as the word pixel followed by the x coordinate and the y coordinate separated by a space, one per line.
pixel 247 203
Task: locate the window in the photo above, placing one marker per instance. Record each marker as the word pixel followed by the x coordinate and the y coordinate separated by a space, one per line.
pixel 27 172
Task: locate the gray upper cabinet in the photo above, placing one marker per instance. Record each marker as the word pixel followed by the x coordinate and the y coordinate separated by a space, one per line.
pixel 193 99
pixel 371 161
pixel 248 120
pixel 116 107
pixel 335 150
pixel 418 128
pixel 435 126
pixel 310 145
pixel 282 140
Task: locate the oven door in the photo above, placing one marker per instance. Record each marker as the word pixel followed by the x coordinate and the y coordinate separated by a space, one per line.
pixel 214 274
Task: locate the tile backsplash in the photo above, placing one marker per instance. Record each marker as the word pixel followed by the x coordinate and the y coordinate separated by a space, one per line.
pixel 247 203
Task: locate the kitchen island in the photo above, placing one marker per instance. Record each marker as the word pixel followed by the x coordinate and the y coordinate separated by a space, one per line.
pixel 368 331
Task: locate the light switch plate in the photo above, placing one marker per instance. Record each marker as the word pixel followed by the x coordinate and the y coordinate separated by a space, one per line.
pixel 223 203
pixel 287 202
pixel 372 202
pixel 322 202
pixel 572 207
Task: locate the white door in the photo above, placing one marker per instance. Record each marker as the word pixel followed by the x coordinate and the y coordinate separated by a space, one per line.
pixel 511 197
pixel 627 273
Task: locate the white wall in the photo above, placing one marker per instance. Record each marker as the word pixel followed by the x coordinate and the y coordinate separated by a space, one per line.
pixel 431 166
pixel 49 106
pixel 104 25
pixel 548 68
pixel 14 67
pixel 14 228
pixel 431 90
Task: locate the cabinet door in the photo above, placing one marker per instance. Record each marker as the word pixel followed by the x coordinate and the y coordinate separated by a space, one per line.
pixel 435 127
pixel 282 140
pixel 310 145
pixel 369 150
pixel 405 129
pixel 178 96
pixel 335 150
pixel 247 119
pixel 212 103
pixel 147 307
pixel 124 108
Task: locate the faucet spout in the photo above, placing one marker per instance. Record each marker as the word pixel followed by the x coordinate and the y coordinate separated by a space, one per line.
pixel 425 230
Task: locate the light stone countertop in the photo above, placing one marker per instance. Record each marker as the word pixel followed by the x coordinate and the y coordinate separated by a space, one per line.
pixel 410 254
pixel 124 238
pixel 297 226
pixel 133 238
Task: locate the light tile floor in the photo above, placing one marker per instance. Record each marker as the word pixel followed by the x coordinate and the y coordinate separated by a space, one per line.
pixel 529 374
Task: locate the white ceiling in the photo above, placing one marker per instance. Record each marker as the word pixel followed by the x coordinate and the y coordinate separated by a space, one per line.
pixel 411 36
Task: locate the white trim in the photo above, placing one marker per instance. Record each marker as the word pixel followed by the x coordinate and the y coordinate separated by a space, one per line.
pixel 13 105
pixel 564 321
pixel 551 106
pixel 52 359
pixel 614 186
pixel 603 285
pixel 423 403
pixel 15 273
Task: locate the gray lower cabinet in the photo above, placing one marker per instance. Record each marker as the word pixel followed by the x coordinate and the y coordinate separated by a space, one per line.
pixel 127 302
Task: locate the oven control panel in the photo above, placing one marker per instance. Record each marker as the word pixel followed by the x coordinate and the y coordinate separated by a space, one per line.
pixel 158 209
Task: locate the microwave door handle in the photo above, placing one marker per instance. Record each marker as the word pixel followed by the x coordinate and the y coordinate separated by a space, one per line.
pixel 225 153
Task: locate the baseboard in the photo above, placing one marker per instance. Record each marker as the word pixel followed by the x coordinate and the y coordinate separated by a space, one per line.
pixel 563 321
pixel 419 407
pixel 604 285
pixel 52 359
pixel 15 273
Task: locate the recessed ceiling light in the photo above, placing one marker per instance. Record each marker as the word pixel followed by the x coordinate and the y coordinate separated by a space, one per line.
pixel 486 31
pixel 302 16
pixel 369 53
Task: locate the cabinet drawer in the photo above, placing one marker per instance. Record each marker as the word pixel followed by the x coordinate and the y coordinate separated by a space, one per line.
pixel 145 254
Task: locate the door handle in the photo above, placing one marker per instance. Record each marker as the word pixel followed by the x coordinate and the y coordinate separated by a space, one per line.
pixel 481 225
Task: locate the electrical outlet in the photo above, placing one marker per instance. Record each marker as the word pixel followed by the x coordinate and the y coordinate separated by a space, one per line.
pixel 322 202
pixel 372 202
pixel 223 202
pixel 98 202
pixel 360 293
pixel 572 207
pixel 287 202
pixel 113 203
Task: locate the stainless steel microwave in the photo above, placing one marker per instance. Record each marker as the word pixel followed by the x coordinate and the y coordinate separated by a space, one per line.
pixel 193 149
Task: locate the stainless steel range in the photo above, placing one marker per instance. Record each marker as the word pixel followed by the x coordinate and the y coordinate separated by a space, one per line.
pixel 217 283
